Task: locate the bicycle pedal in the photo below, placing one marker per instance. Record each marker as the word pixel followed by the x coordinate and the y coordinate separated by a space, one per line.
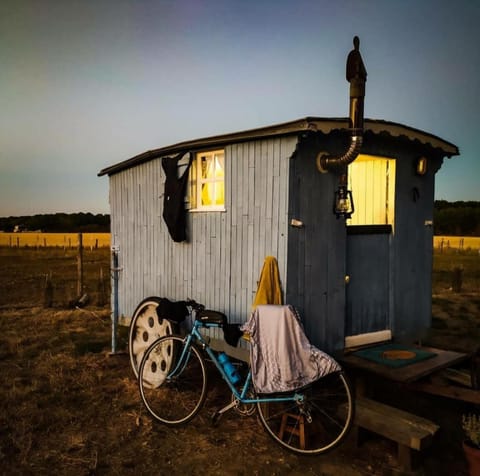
pixel 216 418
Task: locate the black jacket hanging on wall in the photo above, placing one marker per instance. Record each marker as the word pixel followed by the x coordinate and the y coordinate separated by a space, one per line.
pixel 174 212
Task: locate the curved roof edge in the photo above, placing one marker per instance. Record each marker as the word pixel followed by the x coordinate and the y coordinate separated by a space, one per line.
pixel 325 125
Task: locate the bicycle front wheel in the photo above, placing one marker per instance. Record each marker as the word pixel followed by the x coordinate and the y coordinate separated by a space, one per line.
pixel 317 422
pixel 173 380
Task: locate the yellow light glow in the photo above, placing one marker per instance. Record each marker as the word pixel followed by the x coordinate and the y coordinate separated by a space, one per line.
pixel 372 182
pixel 213 191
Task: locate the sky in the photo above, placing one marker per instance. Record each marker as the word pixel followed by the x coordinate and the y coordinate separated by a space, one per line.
pixel 87 84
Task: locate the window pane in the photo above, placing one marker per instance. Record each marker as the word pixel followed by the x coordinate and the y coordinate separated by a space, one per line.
pixel 372 182
pixel 210 183
pixel 205 166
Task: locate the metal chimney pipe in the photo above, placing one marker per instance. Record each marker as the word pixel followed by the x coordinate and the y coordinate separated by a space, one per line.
pixel 356 75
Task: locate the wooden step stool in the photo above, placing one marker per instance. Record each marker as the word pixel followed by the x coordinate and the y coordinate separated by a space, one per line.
pixel 296 428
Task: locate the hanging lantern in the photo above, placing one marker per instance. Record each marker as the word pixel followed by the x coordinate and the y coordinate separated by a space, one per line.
pixel 343 200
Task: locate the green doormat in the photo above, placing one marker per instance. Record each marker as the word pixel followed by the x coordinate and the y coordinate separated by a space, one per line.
pixel 394 355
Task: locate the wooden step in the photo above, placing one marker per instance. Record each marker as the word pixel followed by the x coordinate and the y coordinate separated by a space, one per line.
pixel 461 377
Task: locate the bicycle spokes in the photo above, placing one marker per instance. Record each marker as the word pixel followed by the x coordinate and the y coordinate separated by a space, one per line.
pixel 172 380
pixel 313 424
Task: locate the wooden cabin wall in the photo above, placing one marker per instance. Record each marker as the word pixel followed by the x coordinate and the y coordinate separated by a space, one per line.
pixel 268 183
pixel 413 245
pixel 412 237
pixel 316 253
pixel 136 209
pixel 221 262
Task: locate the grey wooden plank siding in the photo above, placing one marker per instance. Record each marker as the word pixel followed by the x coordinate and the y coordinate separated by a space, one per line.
pixel 267 183
pixel 221 263
pixel 413 246
pixel 316 256
pixel 411 241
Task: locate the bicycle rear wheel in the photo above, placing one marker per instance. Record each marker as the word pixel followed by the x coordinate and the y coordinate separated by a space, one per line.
pixel 172 380
pixel 315 424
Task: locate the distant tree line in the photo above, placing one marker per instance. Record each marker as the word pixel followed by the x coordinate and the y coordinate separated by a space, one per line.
pixel 450 218
pixel 456 218
pixel 58 223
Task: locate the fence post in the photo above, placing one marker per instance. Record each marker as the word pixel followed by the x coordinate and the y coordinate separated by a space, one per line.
pixel 115 271
pixel 48 291
pixel 80 266
pixel 457 275
pixel 101 298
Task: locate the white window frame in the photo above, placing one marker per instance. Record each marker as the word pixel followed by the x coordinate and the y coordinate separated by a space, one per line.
pixel 197 181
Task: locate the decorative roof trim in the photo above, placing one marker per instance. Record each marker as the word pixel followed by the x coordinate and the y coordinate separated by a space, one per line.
pixel 324 125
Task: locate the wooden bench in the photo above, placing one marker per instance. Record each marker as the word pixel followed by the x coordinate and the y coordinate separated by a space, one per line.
pixel 409 431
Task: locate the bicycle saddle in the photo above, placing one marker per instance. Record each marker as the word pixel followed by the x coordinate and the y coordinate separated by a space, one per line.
pixel 212 317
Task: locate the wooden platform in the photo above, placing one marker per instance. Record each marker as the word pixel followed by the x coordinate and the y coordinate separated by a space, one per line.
pixel 434 375
pixel 409 373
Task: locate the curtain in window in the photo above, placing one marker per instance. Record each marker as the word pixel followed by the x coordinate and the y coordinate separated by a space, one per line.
pixel 213 191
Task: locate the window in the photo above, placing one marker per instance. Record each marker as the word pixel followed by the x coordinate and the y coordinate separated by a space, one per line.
pixel 372 182
pixel 207 181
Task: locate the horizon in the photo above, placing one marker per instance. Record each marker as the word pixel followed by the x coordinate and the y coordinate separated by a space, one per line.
pixel 108 213
pixel 86 86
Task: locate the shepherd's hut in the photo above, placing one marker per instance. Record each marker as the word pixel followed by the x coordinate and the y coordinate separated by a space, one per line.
pixel 344 205
pixel 252 194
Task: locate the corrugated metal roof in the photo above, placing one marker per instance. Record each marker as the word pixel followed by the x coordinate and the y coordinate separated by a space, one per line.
pixel 324 125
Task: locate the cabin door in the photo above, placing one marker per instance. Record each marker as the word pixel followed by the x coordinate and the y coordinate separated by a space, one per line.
pixel 368 288
pixel 369 238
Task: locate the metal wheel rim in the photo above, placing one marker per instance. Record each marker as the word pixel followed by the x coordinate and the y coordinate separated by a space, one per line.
pixel 146 328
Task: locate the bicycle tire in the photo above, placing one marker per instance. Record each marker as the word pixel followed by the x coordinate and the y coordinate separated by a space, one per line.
pixel 145 328
pixel 316 425
pixel 172 399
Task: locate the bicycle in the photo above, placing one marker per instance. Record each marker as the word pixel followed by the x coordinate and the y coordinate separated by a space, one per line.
pixel 172 379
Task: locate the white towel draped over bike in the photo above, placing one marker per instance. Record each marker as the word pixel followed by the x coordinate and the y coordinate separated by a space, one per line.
pixel 281 356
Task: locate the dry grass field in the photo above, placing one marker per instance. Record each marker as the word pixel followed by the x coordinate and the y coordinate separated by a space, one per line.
pixel 68 240
pixel 457 242
pixel 68 407
pixel 25 271
pixel 453 268
pixel 61 240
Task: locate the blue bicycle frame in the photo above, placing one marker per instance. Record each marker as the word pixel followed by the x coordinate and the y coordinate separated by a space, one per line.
pixel 241 396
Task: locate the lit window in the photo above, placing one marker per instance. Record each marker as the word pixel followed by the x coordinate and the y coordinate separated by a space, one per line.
pixel 372 182
pixel 207 181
